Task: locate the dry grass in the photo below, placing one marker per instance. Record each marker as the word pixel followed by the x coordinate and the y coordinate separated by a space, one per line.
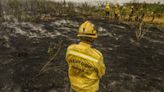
pixel 157 20
pixel 41 10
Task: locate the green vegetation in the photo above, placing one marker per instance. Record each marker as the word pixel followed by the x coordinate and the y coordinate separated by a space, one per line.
pixel 156 7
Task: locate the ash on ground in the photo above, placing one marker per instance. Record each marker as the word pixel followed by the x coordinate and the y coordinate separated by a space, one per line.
pixel 132 66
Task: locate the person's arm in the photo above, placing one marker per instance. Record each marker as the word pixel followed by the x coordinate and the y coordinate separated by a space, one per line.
pixel 101 67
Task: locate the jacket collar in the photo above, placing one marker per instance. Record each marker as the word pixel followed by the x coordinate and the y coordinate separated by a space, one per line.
pixel 85 44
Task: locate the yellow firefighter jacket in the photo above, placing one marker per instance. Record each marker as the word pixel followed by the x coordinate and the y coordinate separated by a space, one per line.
pixel 107 8
pixel 117 11
pixel 86 67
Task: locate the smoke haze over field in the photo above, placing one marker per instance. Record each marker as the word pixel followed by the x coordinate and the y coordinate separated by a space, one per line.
pixel 115 1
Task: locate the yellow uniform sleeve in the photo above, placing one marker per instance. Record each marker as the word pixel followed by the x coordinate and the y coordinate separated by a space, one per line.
pixel 101 67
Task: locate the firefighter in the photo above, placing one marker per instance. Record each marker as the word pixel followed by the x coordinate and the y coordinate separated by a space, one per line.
pixel 117 12
pixel 86 66
pixel 153 16
pixel 131 13
pixel 141 14
pixel 107 9
pixel 123 12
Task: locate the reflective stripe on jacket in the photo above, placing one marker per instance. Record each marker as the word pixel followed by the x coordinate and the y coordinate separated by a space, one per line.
pixel 86 67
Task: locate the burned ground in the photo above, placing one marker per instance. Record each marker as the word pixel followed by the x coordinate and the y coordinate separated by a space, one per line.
pixel 132 66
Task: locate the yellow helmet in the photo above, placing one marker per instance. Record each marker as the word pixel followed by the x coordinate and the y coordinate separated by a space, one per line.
pixel 87 29
pixel 107 4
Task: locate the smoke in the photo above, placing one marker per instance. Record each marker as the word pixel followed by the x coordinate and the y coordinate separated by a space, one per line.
pixel 116 1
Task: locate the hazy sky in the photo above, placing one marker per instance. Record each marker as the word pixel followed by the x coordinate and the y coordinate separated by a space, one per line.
pixel 115 1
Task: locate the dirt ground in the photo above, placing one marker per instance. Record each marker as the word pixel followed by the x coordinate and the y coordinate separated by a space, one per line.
pixel 132 66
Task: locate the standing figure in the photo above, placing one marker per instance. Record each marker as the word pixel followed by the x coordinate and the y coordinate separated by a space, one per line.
pixel 153 16
pixel 117 12
pixel 85 63
pixel 131 13
pixel 107 10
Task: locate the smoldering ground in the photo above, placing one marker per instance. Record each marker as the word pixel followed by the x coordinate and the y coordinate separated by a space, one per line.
pixel 132 66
